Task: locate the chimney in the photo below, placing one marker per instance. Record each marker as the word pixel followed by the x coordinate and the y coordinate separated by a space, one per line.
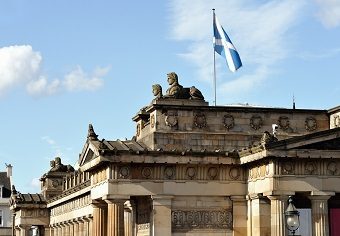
pixel 9 170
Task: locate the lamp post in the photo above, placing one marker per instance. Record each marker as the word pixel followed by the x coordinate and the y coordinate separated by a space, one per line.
pixel 292 217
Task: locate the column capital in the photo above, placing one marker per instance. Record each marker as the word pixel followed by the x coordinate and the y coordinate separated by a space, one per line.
pixel 115 196
pixel 254 196
pixel 162 200
pixel 238 198
pixel 321 195
pixel 278 197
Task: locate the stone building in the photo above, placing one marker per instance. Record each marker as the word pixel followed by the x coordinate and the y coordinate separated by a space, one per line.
pixel 5 194
pixel 195 169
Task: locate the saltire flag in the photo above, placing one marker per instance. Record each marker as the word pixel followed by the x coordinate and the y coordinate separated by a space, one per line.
pixel 224 46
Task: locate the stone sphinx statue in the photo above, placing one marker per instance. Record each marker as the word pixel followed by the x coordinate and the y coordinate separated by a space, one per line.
pixel 57 166
pixel 176 90
pixel 157 91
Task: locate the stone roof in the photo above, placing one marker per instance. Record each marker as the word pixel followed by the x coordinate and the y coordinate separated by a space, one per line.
pixel 27 198
pixel 5 181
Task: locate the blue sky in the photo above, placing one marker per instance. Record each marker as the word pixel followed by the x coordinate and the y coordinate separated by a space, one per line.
pixel 65 64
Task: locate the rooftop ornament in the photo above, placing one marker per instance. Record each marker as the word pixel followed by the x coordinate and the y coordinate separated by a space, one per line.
pixel 292 217
pixel 175 90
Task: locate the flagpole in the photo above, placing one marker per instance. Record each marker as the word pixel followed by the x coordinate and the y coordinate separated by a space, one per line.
pixel 214 64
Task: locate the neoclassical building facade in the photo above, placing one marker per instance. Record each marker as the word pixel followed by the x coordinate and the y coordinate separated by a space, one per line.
pixel 195 169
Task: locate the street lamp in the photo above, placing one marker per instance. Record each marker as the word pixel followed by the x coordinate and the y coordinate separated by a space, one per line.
pixel 292 217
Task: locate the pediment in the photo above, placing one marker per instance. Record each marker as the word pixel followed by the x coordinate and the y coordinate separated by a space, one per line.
pixel 323 140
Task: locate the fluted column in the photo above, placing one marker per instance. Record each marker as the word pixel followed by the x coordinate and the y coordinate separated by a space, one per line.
pixel 115 217
pixel 249 216
pixel 76 228
pixel 128 219
pixel 161 220
pixel 80 227
pixel 86 229
pixel 70 228
pixel 99 220
pixel 260 215
pixel 320 225
pixel 239 215
pixel 278 206
pixel 24 230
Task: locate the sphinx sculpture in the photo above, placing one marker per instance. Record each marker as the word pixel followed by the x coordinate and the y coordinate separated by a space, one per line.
pixel 175 90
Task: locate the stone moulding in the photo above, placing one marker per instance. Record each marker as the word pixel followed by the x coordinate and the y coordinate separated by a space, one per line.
pixel 201 219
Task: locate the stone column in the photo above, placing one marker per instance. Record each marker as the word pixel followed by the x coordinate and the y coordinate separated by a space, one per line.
pixel 278 205
pixel 66 229
pixel 128 219
pixel 70 228
pixel 239 215
pixel 249 216
pixel 115 217
pixel 24 230
pixel 99 220
pixel 161 222
pixel 260 215
pixel 76 228
pixel 320 225
pixel 86 228
pixel 51 230
pixel 80 227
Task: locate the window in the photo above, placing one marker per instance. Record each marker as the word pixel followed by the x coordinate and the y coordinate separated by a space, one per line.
pixel 0 218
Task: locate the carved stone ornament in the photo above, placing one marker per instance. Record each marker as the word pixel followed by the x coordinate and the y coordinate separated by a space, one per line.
pixel 169 172
pixel 310 124
pixel 287 168
pixel 283 122
pixel 200 120
pixel 234 173
pixel 332 168
pixel 228 121
pixel 55 183
pixel 336 121
pixel 191 172
pixel 171 120
pixel 256 122
pixel 138 129
pixel 201 219
pixel 124 172
pixel 146 172
pixel 310 168
pixel 152 121
pixel 213 172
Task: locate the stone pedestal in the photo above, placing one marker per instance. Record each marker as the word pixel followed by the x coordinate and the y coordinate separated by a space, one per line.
pixel 239 215
pixel 115 217
pixel 278 205
pixel 320 225
pixel 161 222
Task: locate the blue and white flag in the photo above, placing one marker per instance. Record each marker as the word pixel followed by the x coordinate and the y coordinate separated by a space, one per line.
pixel 224 46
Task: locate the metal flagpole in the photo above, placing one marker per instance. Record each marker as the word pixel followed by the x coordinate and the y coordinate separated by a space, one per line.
pixel 214 60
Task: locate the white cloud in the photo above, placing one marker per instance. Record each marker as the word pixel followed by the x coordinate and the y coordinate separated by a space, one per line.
pixel 18 64
pixel 259 32
pixel 21 66
pixel 42 86
pixel 329 12
pixel 48 140
pixel 78 80
pixel 35 183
